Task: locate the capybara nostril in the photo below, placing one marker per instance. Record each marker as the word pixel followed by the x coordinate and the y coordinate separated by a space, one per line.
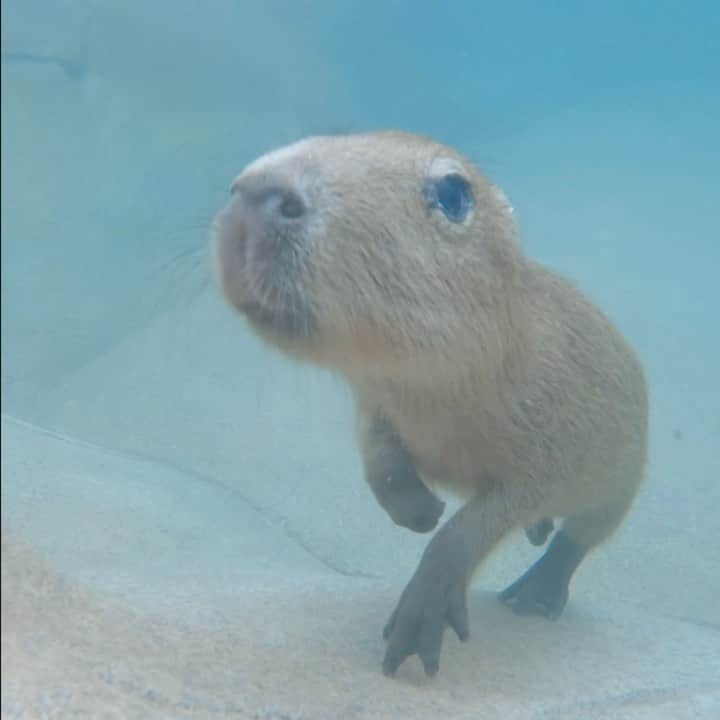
pixel 291 206
pixel 274 199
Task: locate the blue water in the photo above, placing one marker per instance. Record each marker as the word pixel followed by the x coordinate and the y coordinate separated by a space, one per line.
pixel 123 124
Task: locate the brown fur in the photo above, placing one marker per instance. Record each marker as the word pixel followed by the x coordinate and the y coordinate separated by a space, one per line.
pixel 486 373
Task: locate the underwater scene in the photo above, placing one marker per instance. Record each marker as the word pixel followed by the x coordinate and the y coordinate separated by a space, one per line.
pixel 360 359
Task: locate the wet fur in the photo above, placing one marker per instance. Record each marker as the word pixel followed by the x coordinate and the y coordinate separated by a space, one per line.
pixel 475 369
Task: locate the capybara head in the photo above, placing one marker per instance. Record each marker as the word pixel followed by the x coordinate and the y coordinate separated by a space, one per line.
pixel 366 251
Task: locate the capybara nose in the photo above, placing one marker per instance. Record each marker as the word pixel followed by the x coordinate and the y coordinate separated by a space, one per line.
pixel 272 199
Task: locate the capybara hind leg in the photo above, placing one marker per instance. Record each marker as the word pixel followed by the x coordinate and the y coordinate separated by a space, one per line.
pixel 538 532
pixel 543 589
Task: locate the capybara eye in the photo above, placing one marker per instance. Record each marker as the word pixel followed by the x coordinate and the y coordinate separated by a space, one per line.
pixel 453 195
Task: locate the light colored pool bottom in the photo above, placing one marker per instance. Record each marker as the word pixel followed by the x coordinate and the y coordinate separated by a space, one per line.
pixel 279 635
